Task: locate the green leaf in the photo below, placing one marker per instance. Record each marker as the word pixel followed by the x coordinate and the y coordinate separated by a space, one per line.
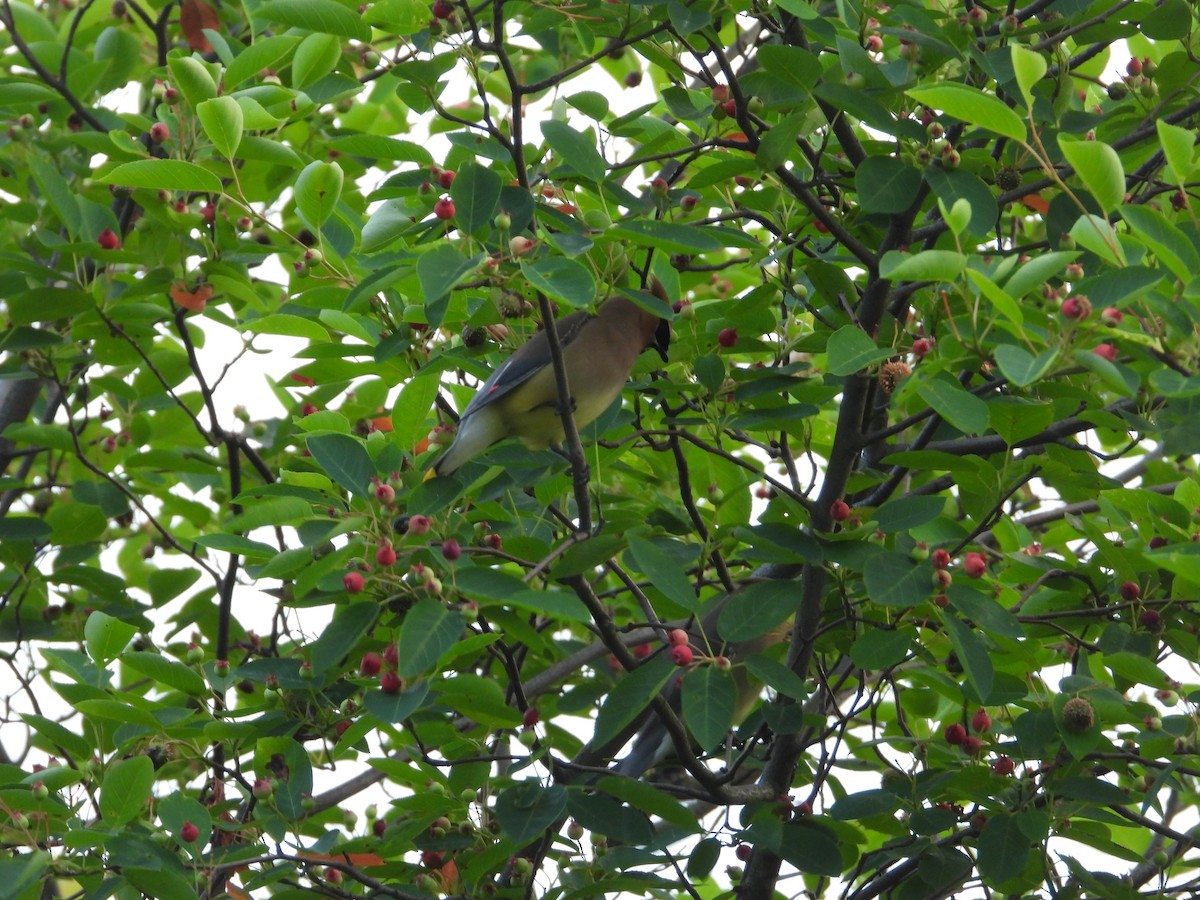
pixel 439 271
pixel 1032 274
pixel 221 118
pixel 955 404
pixel 1168 243
pixel 971 106
pixel 779 143
pixel 105 637
pixel 125 790
pixel 193 79
pixel 318 188
pixel 528 808
pixel 165 175
pixel 972 654
pixel 1002 849
pixel 1099 169
pixel 1178 146
pixel 665 236
pixel 649 799
pixel 326 16
pixel 881 648
pixel 927 265
pixel 850 350
pixel 1030 67
pixel 630 696
pixel 574 149
pixel 409 415
pixel 1020 366
pixel 664 573
pixel 167 672
pixel 704 858
pixel 492 587
pixel 476 195
pixel 344 459
pixel 709 699
pixel 351 621
pixel 315 58
pixel 480 698
pixel 1004 304
pixel 907 513
pixel 886 184
pixel 428 631
pixel 865 805
pixel 893 579
pixel 1095 233
pixel 811 847
pixel 757 609
pixel 264 53
pixel 399 706
pixel 562 279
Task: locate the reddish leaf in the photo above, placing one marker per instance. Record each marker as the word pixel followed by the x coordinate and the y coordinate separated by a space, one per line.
pixel 193 300
pixel 194 17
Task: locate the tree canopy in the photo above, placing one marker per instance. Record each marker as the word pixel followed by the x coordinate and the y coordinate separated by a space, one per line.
pixel 920 469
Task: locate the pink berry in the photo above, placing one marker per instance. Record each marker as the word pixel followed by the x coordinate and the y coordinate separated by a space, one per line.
pixel 1111 316
pixel 1106 351
pixel 391 656
pixel 370 665
pixel 940 558
pixel 681 654
pixel 531 717
pixel 444 208
pixel 971 744
pixel 839 510
pixel 385 493
pixel 981 721
pixel 353 582
pixel 975 565
pixel 160 132
pixel 445 179
pixel 679 638
pixel 419 525
pixel 1134 66
pixel 641 651
pixel 728 337
pixel 391 683
pixel 385 556
pixel 189 832
pixel 1076 308
pixel 921 348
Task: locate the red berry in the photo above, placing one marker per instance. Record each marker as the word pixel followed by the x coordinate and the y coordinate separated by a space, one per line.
pixel 1150 619
pixel 1134 66
pixel 687 203
pixel 432 859
pixel 633 79
pixel 385 493
pixel 370 665
pixel 1003 765
pixel 1158 542
pixel 378 827
pixel 209 213
pixel 1111 316
pixel 941 601
pixel 720 93
pixel 1130 590
pixel 419 525
pixel 956 734
pixel 641 651
pixel 839 510
pixel 971 744
pixel 940 558
pixel 353 582
pixel 531 717
pixel 981 721
pixel 189 832
pixel 391 656
pixel 108 240
pixel 730 107
pixel 942 579
pixel 341 727
pixel 659 187
pixel 728 337
pixel 308 409
pixel 975 565
pixel 874 43
pixel 1106 351
pixel 681 654
pixel 160 132
pixel 1076 308
pixel 390 682
pixel 445 179
pixel 385 556
pixel 494 541
pixel 679 638
pixel 443 9
pixel 921 348
pixel 743 852
pixel 444 208
pixel 451 550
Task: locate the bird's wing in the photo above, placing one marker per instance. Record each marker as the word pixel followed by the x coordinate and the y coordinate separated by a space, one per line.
pixel 526 362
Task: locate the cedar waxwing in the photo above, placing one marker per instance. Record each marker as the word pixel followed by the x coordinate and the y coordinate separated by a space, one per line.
pixel 520 398
pixel 653 743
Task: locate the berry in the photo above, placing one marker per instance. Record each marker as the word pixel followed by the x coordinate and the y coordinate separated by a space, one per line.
pixel 743 851
pixel 1077 308
pixel 874 43
pixel 419 525
pixel 446 178
pixel 941 601
pixel 451 550
pixel 633 79
pixel 1158 542
pixel 432 859
pixel 378 827
pixel 1111 316
pixel 681 654
pixel 977 16
pixel 444 208
pixel 353 582
pixel 391 656
pixel 108 240
pixel 443 9
pixel 678 638
pixel 520 245
pixel 981 721
pixel 160 132
pixel 641 651
pixel 730 107
pixel 209 213
pixel 1151 620
pixel 1130 591
pixel 839 510
pixel 659 187
pixel 921 348
pixel 728 337
pixel 720 94
pixel 971 744
pixel 189 832
pixel 1134 66
pixel 975 565
pixel 391 683
pixel 1004 765
pixel 1078 715
pixel 263 788
pixel 385 493
pixel 956 734
pixel 940 558
pixel 385 556
pixel 531 717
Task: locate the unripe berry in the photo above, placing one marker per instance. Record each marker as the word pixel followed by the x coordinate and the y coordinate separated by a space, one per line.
pixel 160 132
pixel 940 558
pixel 1130 591
pixel 955 734
pixel 419 525
pixel 681 654
pixel 981 721
pixel 108 240
pixel 728 337
pixel 1004 765
pixel 390 682
pixel 189 832
pixel 839 510
pixel 353 582
pixel 975 565
pixel 451 550
pixel 1106 351
pixel 678 638
pixel 444 208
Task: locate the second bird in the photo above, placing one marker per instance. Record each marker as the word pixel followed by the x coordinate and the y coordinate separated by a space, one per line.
pixel 520 398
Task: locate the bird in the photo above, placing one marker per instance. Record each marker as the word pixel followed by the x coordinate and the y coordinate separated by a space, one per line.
pixel 520 398
pixel 653 744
